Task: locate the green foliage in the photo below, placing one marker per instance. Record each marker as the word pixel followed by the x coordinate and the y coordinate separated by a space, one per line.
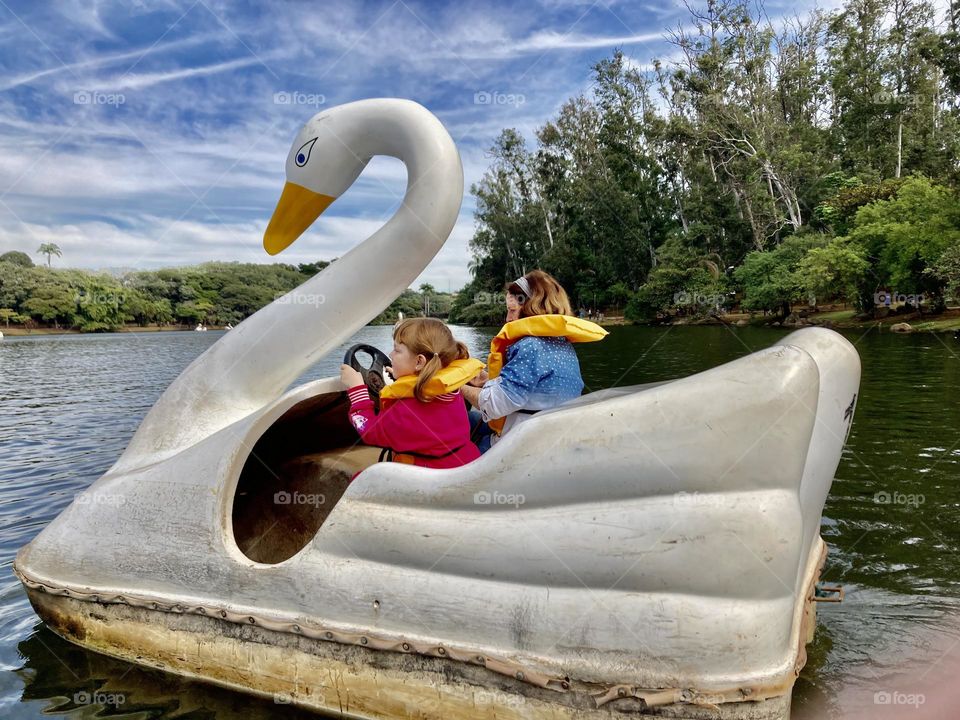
pixel 473 306
pixel 8 316
pixel 905 235
pixel 834 271
pixel 947 271
pixel 684 283
pixel 838 212
pixel 773 279
pixel 17 258
pixel 213 293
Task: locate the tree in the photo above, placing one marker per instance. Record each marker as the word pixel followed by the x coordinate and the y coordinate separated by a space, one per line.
pixel 836 270
pixel 49 249
pixel 17 258
pixel 946 269
pixel 771 279
pixel 52 301
pixel 904 236
pixel 861 124
pixel 311 269
pixel 6 314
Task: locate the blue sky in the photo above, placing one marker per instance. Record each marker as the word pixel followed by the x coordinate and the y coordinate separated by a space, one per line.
pixel 146 134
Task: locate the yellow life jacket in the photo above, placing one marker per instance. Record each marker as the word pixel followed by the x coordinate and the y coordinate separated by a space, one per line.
pixel 566 326
pixel 445 380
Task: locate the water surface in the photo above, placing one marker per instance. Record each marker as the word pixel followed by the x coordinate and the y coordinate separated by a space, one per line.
pixel 69 404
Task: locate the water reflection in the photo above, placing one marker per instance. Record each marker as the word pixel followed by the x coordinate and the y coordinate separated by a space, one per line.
pixel 60 678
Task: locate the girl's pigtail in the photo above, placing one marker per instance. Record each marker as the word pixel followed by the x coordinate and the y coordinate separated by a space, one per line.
pixel 434 364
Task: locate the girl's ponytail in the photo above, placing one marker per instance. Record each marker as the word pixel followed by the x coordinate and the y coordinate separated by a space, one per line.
pixel 434 364
pixel 431 338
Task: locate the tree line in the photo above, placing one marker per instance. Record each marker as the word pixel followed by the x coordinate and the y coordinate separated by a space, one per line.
pixel 813 159
pixel 214 293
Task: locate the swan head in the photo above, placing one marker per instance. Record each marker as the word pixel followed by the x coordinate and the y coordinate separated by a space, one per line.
pixel 321 165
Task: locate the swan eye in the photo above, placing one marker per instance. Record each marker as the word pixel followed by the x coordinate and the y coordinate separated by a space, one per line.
pixel 303 154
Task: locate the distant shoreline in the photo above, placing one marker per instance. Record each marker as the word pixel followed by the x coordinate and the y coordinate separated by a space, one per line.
pixel 948 322
pixel 22 332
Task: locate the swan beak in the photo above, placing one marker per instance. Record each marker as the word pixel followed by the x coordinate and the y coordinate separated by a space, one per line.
pixel 296 210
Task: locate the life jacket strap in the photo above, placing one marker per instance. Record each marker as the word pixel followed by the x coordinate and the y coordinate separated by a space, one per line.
pixel 391 455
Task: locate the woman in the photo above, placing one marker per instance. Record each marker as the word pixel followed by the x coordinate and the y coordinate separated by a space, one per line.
pixel 532 363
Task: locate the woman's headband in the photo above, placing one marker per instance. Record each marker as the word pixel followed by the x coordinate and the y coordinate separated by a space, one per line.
pixel 524 285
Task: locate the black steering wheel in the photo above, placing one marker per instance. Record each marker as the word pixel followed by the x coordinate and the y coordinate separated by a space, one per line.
pixel 373 372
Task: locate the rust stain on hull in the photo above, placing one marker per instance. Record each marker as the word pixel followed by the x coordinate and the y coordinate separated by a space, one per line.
pixel 354 682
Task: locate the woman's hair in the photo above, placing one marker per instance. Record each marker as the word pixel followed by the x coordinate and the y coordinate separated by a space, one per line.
pixel 431 338
pixel 547 296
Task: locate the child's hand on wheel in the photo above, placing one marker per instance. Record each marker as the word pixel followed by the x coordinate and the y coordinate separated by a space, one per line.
pixel 350 377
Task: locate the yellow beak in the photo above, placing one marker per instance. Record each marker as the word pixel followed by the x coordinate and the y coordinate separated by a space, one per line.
pixel 296 210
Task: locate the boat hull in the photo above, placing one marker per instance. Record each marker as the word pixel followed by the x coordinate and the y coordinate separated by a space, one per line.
pixel 647 546
pixel 359 682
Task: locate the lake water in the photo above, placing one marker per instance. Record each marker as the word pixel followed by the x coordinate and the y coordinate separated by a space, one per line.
pixel 69 404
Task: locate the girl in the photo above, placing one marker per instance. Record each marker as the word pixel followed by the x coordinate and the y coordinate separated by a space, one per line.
pixel 533 365
pixel 423 420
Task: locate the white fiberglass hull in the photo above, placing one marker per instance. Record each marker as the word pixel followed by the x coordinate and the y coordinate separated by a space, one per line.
pixel 642 547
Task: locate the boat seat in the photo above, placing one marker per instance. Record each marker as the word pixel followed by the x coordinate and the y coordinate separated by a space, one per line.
pixel 276 517
pixel 350 460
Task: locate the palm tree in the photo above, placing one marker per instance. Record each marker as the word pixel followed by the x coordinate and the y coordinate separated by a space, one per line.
pixel 49 249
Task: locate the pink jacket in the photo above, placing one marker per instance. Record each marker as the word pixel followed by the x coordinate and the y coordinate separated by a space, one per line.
pixel 435 434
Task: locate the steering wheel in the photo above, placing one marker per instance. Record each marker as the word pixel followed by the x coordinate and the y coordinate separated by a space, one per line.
pixel 373 372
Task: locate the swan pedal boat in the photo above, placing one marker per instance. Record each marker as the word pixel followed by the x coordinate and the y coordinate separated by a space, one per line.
pixel 642 551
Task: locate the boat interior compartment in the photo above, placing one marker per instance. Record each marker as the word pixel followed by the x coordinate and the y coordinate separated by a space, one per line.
pixel 300 467
pixel 294 476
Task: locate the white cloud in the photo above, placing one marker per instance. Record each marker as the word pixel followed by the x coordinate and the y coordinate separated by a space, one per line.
pixel 138 54
pixel 139 81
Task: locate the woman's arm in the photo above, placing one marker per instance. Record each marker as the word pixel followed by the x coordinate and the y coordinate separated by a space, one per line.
pixel 471 393
pixel 508 392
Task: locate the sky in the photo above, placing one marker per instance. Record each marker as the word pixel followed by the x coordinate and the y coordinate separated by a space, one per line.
pixel 145 134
